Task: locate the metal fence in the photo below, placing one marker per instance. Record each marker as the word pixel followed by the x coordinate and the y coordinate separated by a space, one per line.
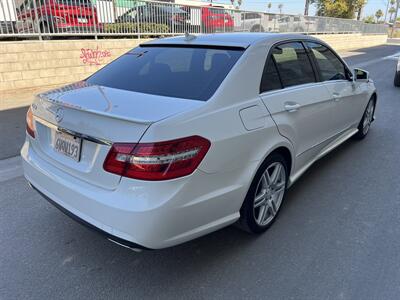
pixel 47 18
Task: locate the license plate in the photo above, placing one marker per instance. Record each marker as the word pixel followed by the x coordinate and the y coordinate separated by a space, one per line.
pixel 82 20
pixel 67 145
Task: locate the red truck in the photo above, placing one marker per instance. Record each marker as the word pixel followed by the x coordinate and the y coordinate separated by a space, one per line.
pixel 57 16
pixel 215 19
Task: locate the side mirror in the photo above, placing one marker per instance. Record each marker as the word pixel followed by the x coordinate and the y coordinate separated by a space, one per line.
pixel 361 75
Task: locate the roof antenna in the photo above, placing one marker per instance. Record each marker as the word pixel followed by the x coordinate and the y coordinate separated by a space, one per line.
pixel 189 37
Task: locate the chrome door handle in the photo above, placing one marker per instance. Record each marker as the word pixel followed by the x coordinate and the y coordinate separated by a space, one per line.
pixel 292 107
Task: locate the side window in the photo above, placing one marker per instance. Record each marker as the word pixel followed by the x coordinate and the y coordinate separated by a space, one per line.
pixel 270 79
pixel 330 67
pixel 293 63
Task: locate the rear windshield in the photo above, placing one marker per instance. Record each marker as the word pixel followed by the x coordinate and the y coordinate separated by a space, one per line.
pixel 181 72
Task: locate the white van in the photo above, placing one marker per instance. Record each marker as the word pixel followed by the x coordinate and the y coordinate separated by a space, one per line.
pixel 8 16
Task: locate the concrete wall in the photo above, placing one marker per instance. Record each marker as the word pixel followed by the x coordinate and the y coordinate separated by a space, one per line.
pixel 39 65
pixel 346 42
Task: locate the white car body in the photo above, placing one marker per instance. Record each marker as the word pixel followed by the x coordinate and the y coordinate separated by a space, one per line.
pixel 243 126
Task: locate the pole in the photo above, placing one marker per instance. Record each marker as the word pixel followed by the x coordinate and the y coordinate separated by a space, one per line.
pixel 307 5
pixel 395 17
pixel 387 10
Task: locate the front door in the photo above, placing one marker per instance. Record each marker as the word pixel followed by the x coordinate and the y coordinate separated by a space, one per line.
pixel 349 98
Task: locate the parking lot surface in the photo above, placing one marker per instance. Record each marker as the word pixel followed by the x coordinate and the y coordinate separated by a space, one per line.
pixel 337 236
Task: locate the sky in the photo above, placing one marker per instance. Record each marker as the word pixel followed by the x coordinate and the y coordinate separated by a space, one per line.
pixel 297 6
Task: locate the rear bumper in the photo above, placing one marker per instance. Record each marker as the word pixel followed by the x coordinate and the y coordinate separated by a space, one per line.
pixel 113 238
pixel 141 214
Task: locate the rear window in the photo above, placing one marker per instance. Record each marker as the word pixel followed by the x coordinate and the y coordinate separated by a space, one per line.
pixel 181 72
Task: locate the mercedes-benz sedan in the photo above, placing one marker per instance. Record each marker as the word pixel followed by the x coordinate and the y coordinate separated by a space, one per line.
pixel 182 136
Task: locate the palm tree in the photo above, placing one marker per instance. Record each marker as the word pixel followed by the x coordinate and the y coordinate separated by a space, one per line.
pixel 378 15
pixel 280 6
pixel 269 6
pixel 392 11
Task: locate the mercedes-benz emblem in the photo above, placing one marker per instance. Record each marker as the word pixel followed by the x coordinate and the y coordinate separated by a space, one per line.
pixel 59 114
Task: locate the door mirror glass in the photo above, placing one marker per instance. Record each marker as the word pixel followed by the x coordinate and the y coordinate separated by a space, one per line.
pixel 361 75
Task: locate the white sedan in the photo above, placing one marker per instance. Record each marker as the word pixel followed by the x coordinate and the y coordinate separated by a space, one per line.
pixel 182 136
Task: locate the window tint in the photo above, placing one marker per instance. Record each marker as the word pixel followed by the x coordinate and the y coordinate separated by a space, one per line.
pixel 330 67
pixel 270 79
pixel 190 73
pixel 293 64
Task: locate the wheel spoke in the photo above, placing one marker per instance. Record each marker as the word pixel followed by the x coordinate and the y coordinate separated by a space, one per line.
pixel 262 213
pixel 260 198
pixel 275 174
pixel 272 207
pixel 279 186
pixel 269 193
pixel 264 180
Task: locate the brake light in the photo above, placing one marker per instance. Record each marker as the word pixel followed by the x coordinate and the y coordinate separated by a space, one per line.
pixel 30 123
pixel 157 161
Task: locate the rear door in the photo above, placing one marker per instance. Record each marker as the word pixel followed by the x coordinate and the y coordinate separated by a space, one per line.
pixel 349 100
pixel 301 107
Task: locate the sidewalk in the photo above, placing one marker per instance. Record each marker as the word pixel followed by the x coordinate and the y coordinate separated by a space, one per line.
pixel 22 98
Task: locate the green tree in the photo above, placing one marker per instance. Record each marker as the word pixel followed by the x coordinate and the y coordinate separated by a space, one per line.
pixel 378 15
pixel 358 6
pixel 369 19
pixel 269 6
pixel 339 8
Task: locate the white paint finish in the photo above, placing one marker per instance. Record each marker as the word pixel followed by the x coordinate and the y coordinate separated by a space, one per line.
pixel 311 123
pixel 166 213
pixel 253 117
pixel 348 98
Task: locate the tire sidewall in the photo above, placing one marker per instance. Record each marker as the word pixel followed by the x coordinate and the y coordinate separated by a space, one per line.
pixel 247 210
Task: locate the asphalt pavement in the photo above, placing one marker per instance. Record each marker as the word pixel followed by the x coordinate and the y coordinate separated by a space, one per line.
pixel 337 237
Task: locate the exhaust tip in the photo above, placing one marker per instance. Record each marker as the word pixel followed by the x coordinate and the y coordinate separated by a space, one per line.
pixel 125 246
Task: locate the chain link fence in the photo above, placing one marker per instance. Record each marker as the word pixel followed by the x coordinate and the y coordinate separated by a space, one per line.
pixel 48 18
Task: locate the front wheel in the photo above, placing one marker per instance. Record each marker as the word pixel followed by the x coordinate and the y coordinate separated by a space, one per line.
pixel 397 79
pixel 365 123
pixel 265 196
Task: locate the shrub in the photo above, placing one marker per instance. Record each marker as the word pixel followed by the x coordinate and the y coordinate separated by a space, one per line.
pixel 136 28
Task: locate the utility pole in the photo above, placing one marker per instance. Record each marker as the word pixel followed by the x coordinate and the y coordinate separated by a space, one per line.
pixel 395 17
pixel 307 5
pixel 387 10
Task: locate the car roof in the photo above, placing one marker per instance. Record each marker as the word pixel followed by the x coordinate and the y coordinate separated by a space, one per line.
pixel 239 39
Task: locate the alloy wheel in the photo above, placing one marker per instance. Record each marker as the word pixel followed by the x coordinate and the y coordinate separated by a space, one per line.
pixel 369 115
pixel 269 193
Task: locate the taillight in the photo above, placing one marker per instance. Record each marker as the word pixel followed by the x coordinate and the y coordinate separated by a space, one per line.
pixel 30 123
pixel 157 161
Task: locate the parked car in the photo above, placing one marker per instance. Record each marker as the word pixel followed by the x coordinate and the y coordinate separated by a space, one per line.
pixel 215 19
pixel 397 75
pixel 256 22
pixel 296 24
pixel 171 16
pixel 182 136
pixel 57 16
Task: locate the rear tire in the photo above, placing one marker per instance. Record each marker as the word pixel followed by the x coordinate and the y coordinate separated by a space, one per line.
pixel 397 79
pixel 257 28
pixel 265 196
pixel 365 123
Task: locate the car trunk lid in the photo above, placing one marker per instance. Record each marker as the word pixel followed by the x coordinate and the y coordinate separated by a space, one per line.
pixel 96 116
